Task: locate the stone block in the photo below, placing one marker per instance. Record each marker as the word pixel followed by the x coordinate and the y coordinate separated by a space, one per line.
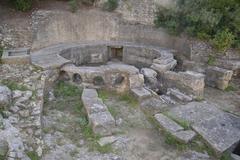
pixel 89 93
pixel 219 129
pixel 102 123
pixel 5 97
pixel 185 136
pixel 161 68
pixel 218 77
pixel 188 82
pixel 177 95
pixel 136 81
pixel 167 124
pixel 141 93
pixel 153 106
pixel 17 56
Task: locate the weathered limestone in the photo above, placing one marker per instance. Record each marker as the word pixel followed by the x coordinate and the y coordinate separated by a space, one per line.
pixel 168 124
pixel 150 78
pixel 141 93
pixel 177 95
pixel 3 149
pixel 185 136
pixel 99 117
pixel 5 97
pixel 153 105
pixel 107 140
pixel 218 77
pixel 219 129
pixel 113 76
pixel 17 56
pixel 190 83
pixel 164 63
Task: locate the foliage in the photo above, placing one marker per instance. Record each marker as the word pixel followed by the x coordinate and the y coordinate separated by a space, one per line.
pixel 73 5
pixel 214 20
pixel 22 5
pixel 230 88
pixel 64 89
pixel 223 40
pixel 185 124
pixel 211 60
pixel 110 5
pixel 33 155
pixel 127 97
pixel 13 85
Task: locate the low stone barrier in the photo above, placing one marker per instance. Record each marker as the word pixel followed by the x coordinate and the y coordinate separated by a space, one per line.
pixel 218 77
pixel 99 117
pixel 113 76
pixel 190 83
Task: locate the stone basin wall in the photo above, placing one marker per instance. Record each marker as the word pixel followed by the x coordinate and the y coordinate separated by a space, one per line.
pixel 113 76
pixel 95 54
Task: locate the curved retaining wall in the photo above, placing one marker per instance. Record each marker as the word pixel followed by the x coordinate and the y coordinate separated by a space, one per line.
pixel 97 53
pixel 94 25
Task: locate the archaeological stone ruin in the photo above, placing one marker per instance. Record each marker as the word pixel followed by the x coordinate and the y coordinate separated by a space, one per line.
pixel 96 85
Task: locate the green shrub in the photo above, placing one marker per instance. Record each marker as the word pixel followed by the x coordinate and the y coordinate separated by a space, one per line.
pixel 33 155
pixel 88 2
pixel 223 40
pixel 22 5
pixel 215 20
pixel 73 5
pixel 110 5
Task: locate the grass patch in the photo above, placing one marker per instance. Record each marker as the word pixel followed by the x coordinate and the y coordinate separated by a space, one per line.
pixel 230 88
pixel 73 5
pixel 33 155
pixel 113 111
pixel 14 85
pixel 211 60
pixel 110 5
pixel 185 124
pixel 92 138
pixel 226 156
pixel 127 97
pixel 63 89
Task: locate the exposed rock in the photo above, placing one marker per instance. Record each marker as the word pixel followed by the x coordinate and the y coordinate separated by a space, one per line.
pixel 167 124
pixel 153 106
pixel 185 136
pixel 191 83
pixel 218 77
pixel 107 140
pixel 214 125
pixel 141 93
pixel 102 123
pixel 177 95
pixel 1 122
pixel 5 97
pixel 3 149
pixel 193 155
pixel 99 117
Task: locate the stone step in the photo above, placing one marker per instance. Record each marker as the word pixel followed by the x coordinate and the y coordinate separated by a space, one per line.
pixel 167 124
pixel 178 96
pixel 177 131
pixel 141 93
pixel 100 119
pixel 160 68
pixel 185 136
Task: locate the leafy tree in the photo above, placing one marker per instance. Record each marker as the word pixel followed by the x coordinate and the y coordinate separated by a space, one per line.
pixel 214 20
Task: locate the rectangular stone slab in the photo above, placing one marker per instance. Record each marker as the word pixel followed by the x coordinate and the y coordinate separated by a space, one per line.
pixel 167 124
pixel 219 129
